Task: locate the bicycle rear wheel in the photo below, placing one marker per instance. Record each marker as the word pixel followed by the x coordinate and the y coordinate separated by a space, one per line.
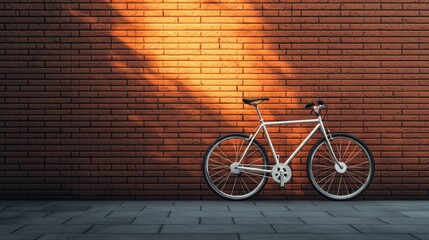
pixel 221 175
pixel 335 183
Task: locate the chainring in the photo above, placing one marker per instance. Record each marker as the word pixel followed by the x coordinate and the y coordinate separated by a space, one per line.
pixel 278 169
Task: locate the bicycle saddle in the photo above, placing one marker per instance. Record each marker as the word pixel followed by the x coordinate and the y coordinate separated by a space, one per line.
pixel 251 100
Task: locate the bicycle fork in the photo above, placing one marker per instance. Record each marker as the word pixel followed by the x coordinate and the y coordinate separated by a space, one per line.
pixel 328 139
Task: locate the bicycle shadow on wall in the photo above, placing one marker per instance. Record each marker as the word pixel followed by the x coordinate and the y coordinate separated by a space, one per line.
pixel 167 111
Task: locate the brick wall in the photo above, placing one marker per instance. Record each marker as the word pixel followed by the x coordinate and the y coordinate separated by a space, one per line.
pixel 120 99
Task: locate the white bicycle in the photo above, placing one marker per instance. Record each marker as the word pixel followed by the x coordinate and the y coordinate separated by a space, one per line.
pixel 339 166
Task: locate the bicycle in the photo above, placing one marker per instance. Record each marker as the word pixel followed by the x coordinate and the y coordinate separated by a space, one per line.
pixel 339 166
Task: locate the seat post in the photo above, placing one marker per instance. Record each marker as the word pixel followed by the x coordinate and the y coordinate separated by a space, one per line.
pixel 259 113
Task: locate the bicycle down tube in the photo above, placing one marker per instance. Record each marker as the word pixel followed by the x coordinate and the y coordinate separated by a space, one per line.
pixel 297 150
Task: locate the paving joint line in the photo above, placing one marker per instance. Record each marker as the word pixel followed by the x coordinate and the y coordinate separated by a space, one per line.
pixel 412 235
pixel 329 213
pixel 351 225
pixel 382 220
pixel 66 221
pixel 84 232
pixel 14 231
pixel 159 230
pixel 108 214
pixel 301 220
pixel 50 213
pixel 275 231
pixel 38 237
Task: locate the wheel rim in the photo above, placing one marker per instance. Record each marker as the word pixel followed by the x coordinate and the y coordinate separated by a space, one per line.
pixel 223 178
pixel 337 185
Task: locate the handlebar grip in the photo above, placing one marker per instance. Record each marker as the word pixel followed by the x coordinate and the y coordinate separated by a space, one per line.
pixel 320 101
pixel 309 105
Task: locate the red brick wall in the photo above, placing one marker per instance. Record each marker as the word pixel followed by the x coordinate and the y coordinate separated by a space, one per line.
pixel 120 99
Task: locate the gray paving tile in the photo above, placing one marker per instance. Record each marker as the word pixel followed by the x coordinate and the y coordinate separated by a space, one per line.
pixel 216 220
pixel 295 214
pixel 214 203
pixel 216 214
pixel 402 203
pixel 421 236
pixel 217 229
pixel 85 203
pixel 111 220
pixel 79 214
pixel 115 208
pixel 341 220
pixel 148 203
pixel 23 203
pixel 147 236
pixel 326 237
pixel 305 228
pixel 52 208
pixel 359 214
pixel 38 228
pixel 422 228
pixel 8 228
pixel 418 214
pixel 171 220
pixel 406 220
pixel 353 203
pixel 42 220
pixel 259 208
pixel 19 236
pixel 268 220
pixel 214 208
pixel 125 229
pixel 321 208
pixel 23 214
pixel 146 214
pixel 172 208
pixel 283 203
pixel 389 208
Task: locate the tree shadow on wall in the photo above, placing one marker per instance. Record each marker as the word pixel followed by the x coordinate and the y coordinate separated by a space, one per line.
pixel 145 127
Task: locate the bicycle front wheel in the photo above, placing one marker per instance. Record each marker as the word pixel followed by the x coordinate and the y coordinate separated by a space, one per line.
pixel 333 182
pixel 220 167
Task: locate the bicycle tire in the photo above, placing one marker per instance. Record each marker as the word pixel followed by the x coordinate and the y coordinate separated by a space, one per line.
pixel 353 176
pixel 221 193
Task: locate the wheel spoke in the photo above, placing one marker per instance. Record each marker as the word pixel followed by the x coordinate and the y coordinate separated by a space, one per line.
pixel 248 175
pixel 333 177
pixel 233 186
pixel 351 175
pixel 222 157
pixel 216 172
pixel 353 156
pixel 226 181
pixel 339 184
pixel 325 178
pixel 245 185
pixel 226 158
pixel 220 178
pixel 345 151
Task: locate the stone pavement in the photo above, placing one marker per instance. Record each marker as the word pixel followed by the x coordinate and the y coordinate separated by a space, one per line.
pixel 211 220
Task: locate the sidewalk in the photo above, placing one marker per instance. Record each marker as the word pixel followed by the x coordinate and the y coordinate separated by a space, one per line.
pixel 211 220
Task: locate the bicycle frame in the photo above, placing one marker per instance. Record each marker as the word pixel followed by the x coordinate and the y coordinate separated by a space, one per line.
pixel 264 125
